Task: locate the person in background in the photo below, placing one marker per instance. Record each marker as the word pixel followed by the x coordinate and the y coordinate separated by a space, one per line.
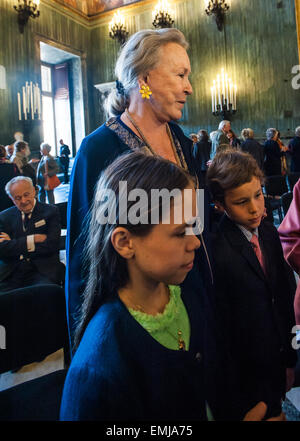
pixel 201 153
pixel 283 148
pixel 64 160
pixel 47 162
pixel 250 145
pixel 9 151
pixel 294 151
pixel 233 140
pixel 220 137
pixel 20 159
pixel 272 153
pixel 29 239
pixel 152 87
pixel 7 172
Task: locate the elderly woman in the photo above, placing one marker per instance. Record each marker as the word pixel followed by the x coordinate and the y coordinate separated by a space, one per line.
pixel 273 154
pixel 250 145
pixel 20 159
pixel 47 167
pixel 151 90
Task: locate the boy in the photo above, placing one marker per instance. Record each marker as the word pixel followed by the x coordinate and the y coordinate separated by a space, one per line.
pixel 254 286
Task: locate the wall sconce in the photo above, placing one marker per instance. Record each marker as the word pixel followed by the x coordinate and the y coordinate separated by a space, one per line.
pixel 223 96
pixel 117 28
pixel 162 15
pixel 218 8
pixel 26 9
pixel 29 102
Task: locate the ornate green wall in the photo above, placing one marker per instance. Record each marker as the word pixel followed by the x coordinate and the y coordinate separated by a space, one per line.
pixel 258 48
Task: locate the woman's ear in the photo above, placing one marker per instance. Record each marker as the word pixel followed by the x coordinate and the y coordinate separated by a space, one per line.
pixel 122 242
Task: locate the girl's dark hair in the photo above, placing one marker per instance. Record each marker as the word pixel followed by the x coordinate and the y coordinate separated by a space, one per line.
pixel 19 145
pixel 229 169
pixel 106 271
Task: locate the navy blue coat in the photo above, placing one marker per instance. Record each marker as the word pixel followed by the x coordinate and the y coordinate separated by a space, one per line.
pixel 97 151
pixel 119 372
pixel 255 313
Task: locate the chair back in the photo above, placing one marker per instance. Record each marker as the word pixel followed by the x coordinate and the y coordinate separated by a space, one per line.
pixel 293 179
pixel 276 185
pixel 33 322
pixel 286 200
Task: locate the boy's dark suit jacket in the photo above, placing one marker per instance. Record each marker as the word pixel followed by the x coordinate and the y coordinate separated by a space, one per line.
pixel 255 314
pixel 45 219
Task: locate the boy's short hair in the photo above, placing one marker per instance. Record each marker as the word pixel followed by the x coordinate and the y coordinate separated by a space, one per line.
pixel 231 169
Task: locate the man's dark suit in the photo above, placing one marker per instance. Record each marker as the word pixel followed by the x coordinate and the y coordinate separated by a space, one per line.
pixel 255 314
pixel 45 259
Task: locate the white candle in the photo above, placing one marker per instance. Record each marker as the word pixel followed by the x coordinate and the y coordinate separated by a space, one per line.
pixel 31 101
pixel 19 106
pixel 230 92
pixel 24 102
pixel 212 99
pixel 223 86
pixel 235 90
pixel 219 90
pixel 226 88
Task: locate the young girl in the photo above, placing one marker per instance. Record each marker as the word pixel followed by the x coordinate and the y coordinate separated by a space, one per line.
pixel 139 342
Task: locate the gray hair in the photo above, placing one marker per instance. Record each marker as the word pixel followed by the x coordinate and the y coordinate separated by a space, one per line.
pixel 297 131
pixel 139 55
pixel 270 133
pixel 46 146
pixel 223 124
pixel 247 133
pixel 15 181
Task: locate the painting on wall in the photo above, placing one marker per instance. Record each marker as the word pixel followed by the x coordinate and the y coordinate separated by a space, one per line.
pixel 93 7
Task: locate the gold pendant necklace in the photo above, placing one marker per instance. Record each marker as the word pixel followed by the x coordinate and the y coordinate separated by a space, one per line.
pixel 180 162
pixel 179 338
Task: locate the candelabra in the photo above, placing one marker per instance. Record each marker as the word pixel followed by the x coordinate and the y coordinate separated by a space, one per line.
pixel 223 96
pixel 29 102
pixel 218 8
pixel 25 10
pixel 117 29
pixel 162 15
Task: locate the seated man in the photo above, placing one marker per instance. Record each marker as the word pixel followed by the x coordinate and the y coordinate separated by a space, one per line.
pixel 29 239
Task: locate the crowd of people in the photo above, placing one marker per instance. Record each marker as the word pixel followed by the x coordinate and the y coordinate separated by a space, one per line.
pixel 179 320
pixel 272 156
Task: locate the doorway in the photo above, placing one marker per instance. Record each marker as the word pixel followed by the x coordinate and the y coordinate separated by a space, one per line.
pixel 62 98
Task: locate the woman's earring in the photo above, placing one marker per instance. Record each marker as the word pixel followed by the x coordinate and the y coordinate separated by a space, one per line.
pixel 145 92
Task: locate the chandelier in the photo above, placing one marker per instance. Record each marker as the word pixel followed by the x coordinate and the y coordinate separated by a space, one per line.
pixel 25 10
pixel 223 96
pixel 117 28
pixel 162 15
pixel 218 8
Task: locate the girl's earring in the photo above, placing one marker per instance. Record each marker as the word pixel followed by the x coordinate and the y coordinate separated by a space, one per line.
pixel 145 92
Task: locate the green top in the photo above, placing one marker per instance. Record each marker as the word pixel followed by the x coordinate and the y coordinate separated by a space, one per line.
pixel 164 326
